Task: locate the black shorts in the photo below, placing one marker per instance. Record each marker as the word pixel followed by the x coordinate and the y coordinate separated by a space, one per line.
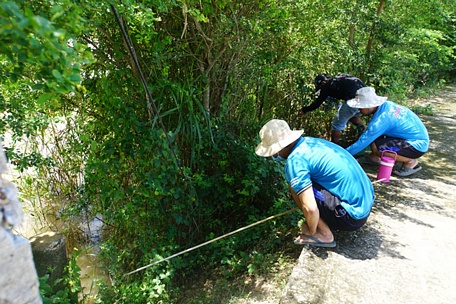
pixel 398 145
pixel 332 212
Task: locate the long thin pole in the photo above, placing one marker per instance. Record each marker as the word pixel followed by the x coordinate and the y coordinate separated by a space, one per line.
pixel 221 237
pixel 211 241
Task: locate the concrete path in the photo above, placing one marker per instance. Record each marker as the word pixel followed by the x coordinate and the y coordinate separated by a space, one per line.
pixel 406 253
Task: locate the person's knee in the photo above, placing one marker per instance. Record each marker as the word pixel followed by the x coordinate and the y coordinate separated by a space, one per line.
pixel 375 150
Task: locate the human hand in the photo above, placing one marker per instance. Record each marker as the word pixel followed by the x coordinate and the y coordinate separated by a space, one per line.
pixel 361 128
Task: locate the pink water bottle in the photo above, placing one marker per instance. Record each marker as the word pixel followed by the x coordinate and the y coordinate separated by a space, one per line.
pixel 386 166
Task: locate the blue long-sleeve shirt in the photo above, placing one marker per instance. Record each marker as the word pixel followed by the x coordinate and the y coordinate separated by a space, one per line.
pixel 393 120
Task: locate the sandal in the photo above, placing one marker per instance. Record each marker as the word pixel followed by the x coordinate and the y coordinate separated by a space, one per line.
pixel 314 242
pixel 407 171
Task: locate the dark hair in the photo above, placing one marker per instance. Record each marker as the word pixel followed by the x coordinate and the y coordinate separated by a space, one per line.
pixel 319 79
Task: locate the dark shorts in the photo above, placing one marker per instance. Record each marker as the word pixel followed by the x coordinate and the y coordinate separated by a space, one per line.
pixel 332 212
pixel 398 145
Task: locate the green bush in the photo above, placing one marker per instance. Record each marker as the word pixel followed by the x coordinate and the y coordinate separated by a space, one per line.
pixel 158 214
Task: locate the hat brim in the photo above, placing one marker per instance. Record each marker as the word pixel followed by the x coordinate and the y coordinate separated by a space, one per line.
pixel 363 104
pixel 267 151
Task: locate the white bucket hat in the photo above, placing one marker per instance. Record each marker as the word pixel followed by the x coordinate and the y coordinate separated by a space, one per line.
pixel 275 135
pixel 366 98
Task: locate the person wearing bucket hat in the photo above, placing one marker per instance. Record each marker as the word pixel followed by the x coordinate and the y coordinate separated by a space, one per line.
pixel 326 182
pixel 341 87
pixel 392 128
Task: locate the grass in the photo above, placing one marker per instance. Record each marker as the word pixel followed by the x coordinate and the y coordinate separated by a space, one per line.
pixel 264 284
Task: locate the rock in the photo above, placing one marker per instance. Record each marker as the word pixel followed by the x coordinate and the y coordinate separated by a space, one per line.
pixel 11 214
pixel 49 251
pixel 3 162
pixel 18 279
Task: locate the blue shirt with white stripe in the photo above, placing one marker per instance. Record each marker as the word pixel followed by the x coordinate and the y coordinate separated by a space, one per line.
pixel 321 161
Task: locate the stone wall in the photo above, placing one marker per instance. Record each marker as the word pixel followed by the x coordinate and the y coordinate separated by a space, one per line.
pixel 18 280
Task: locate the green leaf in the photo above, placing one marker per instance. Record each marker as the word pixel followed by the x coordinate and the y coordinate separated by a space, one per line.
pixel 57 75
pixel 44 98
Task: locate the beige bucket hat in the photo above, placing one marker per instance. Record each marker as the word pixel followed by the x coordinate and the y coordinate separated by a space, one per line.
pixel 366 98
pixel 275 135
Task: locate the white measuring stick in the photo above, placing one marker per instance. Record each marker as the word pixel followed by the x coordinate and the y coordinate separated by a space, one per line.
pixel 220 237
pixel 213 240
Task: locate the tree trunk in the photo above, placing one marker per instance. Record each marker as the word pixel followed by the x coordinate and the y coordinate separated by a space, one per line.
pixel 380 8
pixel 351 37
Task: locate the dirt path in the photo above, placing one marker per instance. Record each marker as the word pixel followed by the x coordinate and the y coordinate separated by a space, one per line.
pixel 407 251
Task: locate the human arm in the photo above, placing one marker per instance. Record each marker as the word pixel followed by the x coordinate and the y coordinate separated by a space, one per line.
pixel 313 106
pixel 306 202
pixel 374 130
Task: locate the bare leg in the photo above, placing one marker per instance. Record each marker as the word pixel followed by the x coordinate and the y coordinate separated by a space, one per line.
pixel 375 154
pixel 323 232
pixel 408 162
pixel 335 136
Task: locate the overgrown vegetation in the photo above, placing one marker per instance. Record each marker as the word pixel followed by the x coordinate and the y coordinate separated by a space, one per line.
pixel 66 289
pixel 169 172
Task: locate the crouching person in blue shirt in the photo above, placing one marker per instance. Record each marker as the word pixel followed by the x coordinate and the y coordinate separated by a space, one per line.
pixel 393 127
pixel 326 182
